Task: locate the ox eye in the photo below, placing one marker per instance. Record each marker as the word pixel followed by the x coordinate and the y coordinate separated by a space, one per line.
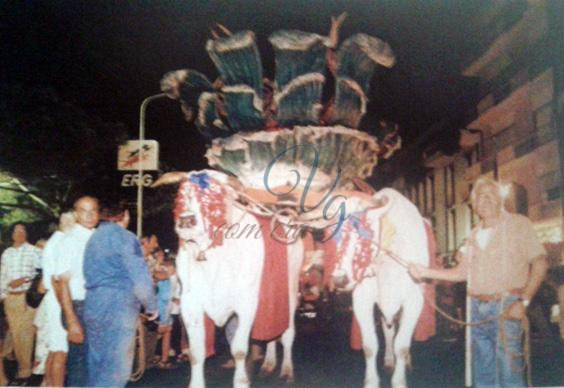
pixel 186 222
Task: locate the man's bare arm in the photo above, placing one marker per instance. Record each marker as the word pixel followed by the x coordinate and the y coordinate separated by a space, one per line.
pixel 19 282
pixel 62 291
pixel 539 266
pixel 456 274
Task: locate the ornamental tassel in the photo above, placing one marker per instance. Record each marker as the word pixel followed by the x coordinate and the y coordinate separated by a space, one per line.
pixel 195 93
pixel 185 85
pixel 356 61
pixel 238 61
pixel 300 63
pixel 208 122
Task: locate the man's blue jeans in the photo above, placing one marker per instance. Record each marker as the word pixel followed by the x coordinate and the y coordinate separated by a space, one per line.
pixel 496 361
pixel 77 372
pixel 111 322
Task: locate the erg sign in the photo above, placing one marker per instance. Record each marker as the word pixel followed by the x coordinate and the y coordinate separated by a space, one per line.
pixel 129 180
pixel 134 155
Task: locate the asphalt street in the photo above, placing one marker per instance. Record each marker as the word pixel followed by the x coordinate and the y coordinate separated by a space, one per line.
pixel 323 358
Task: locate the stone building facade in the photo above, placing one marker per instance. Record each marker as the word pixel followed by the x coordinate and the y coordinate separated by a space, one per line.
pixel 514 133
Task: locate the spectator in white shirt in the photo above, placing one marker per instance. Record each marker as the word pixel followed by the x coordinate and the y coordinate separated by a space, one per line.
pixel 69 286
pixel 16 272
pixel 56 334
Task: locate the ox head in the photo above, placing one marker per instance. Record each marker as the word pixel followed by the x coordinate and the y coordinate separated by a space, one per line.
pixel 392 230
pixel 356 243
pixel 200 205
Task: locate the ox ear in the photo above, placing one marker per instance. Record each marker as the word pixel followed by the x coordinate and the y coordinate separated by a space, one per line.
pixel 170 178
pixel 362 185
pixel 381 203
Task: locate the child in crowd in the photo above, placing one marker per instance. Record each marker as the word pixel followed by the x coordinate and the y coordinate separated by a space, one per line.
pixel 163 272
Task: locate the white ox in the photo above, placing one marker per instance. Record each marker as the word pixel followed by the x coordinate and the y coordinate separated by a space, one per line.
pixel 399 230
pixel 223 279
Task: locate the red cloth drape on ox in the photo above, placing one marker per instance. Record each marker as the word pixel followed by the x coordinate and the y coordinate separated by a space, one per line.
pixel 272 317
pixel 426 325
pixel 210 336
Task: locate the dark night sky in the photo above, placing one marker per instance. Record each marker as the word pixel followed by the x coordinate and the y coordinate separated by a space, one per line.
pixel 107 56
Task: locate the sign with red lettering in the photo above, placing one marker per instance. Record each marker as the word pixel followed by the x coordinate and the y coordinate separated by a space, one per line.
pixel 131 154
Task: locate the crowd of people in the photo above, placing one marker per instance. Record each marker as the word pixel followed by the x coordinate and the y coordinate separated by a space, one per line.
pixel 72 304
pixel 96 277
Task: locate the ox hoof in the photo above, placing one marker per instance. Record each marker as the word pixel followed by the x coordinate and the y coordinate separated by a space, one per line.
pixel 264 373
pixel 266 369
pixel 242 383
pixel 399 384
pixel 389 366
pixel 288 376
pixel 289 381
pixel 371 384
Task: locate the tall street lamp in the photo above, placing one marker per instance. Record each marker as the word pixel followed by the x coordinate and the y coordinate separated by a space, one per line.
pixel 142 110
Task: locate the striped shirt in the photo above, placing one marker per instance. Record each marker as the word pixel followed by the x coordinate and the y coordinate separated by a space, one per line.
pixel 18 263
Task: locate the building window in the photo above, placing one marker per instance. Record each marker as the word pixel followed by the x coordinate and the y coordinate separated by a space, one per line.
pixel 413 194
pixel 449 186
pixel 430 194
pixel 451 230
pixel 422 196
pixel 450 206
pixel 473 155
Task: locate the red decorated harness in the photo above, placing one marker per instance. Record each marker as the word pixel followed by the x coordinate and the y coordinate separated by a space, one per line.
pixel 363 253
pixel 210 195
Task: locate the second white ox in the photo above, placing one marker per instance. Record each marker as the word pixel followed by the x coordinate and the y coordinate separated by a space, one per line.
pixel 222 276
pixel 393 234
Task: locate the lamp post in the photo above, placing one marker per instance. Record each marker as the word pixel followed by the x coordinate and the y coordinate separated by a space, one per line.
pixel 467 329
pixel 142 110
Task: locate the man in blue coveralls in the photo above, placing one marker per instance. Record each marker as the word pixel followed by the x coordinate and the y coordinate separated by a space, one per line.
pixel 117 284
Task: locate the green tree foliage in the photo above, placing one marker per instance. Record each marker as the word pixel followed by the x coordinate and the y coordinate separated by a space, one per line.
pixel 51 151
pixel 18 204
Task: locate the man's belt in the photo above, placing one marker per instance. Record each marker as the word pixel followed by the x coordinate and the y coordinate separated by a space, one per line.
pixel 497 295
pixel 16 292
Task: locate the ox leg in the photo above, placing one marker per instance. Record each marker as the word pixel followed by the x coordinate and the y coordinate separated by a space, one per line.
pixel 239 349
pixel 410 314
pixel 363 307
pixel 287 370
pixel 389 332
pixel 296 254
pixel 269 362
pixel 194 321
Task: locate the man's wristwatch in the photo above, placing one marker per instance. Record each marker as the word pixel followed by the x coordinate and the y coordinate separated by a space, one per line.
pixel 525 302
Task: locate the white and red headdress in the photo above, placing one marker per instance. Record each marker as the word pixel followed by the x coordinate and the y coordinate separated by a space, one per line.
pixel 203 196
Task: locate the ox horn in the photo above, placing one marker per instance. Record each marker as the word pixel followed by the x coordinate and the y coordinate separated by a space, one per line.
pixel 170 178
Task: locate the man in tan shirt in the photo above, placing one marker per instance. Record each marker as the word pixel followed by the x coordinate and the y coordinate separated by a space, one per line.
pixel 504 265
